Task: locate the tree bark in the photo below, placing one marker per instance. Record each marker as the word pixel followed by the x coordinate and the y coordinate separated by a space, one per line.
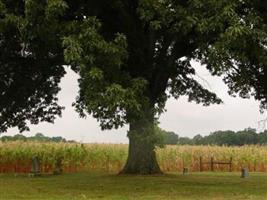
pixel 142 141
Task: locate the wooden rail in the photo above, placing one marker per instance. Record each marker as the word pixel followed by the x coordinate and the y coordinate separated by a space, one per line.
pixel 212 163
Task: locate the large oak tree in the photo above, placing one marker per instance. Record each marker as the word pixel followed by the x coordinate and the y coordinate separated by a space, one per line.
pixel 131 56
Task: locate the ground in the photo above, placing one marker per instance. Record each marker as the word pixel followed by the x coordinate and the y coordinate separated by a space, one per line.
pixel 95 185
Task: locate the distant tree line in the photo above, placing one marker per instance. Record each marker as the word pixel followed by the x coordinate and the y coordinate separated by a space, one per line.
pixel 37 137
pixel 228 138
pixel 247 136
pixel 220 138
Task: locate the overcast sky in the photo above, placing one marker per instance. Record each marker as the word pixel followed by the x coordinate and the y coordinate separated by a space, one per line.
pixel 185 119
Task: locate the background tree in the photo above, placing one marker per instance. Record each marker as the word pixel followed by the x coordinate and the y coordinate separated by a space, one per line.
pixel 131 55
pixel 184 141
pixel 197 140
pixel 168 137
pixel 262 138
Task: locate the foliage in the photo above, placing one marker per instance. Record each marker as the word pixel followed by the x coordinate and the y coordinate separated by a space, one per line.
pixel 31 63
pixel 168 137
pixel 240 53
pixel 39 137
pixel 147 60
pixel 133 52
pixel 228 138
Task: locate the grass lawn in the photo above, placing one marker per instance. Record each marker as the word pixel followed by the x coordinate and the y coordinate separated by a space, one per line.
pixel 95 185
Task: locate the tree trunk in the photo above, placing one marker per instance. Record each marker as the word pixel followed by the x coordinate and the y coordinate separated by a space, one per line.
pixel 142 141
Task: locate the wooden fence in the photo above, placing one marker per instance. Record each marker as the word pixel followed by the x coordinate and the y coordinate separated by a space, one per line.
pixel 212 162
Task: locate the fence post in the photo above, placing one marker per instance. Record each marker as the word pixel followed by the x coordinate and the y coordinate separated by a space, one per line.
pixel 200 164
pixel 230 167
pixel 211 164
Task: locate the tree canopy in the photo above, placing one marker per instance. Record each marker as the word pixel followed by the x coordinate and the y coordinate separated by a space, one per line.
pixel 31 62
pixel 132 55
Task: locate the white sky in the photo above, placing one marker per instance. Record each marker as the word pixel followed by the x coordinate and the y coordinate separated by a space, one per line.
pixel 183 118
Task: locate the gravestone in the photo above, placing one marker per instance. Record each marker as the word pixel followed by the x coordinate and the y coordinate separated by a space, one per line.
pixel 58 166
pixel 35 171
pixel 244 173
pixel 185 171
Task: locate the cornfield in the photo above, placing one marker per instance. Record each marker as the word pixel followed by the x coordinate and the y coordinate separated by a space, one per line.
pixel 16 157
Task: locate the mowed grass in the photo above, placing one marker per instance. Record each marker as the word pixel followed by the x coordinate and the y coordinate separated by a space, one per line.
pixel 95 185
